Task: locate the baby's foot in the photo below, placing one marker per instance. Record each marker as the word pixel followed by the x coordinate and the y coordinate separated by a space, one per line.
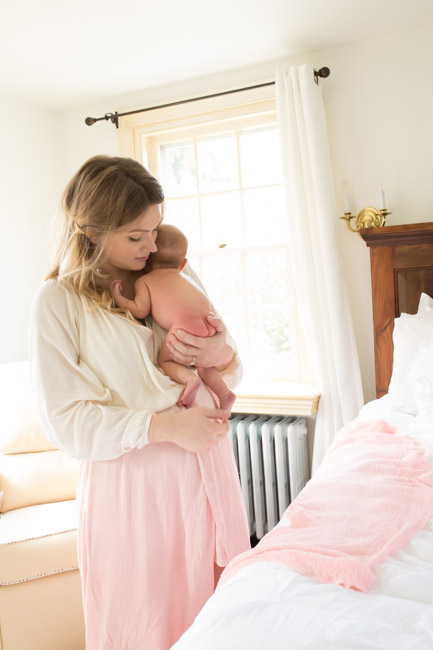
pixel 188 396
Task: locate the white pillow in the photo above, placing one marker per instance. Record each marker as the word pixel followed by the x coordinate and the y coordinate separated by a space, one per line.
pixel 421 377
pixel 425 305
pixel 410 330
pixel 421 380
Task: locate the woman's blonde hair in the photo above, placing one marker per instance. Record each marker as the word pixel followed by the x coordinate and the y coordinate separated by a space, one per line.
pixel 106 193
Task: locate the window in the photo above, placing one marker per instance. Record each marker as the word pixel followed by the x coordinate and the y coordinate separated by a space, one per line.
pixel 220 170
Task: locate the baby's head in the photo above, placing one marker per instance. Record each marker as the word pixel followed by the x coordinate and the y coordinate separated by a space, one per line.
pixel 172 247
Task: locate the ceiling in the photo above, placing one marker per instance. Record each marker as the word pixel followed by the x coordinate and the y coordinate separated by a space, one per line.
pixel 59 53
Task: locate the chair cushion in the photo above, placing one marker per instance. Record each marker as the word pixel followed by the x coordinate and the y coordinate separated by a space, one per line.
pixel 20 430
pixel 38 541
pixel 35 478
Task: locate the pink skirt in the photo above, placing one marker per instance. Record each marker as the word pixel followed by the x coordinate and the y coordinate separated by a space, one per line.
pixel 152 523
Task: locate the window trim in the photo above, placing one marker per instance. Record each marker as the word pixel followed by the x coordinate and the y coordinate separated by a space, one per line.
pixel 292 398
pixel 301 399
pixel 133 127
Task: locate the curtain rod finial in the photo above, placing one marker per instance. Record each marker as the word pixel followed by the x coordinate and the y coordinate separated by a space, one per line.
pixel 323 73
pixel 113 117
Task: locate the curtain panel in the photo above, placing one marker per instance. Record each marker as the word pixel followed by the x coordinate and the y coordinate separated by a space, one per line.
pixel 316 258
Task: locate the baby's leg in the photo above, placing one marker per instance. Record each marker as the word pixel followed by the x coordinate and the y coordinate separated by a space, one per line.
pixel 216 383
pixel 181 375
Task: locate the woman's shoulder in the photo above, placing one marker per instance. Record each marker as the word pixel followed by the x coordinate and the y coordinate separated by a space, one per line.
pixel 52 295
pixel 53 289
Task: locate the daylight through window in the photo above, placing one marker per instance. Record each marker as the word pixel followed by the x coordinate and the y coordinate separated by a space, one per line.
pixel 223 189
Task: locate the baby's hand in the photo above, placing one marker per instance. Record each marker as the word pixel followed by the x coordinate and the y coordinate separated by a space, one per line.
pixel 116 288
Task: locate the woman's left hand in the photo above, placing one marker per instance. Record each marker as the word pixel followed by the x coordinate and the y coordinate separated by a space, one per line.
pixel 204 352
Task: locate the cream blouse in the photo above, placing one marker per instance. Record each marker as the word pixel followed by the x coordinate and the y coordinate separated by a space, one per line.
pixel 94 376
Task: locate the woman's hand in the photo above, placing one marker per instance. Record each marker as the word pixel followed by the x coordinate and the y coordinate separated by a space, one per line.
pixel 195 429
pixel 204 352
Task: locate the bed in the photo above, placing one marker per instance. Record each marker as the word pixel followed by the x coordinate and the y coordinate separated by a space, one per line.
pixel 262 602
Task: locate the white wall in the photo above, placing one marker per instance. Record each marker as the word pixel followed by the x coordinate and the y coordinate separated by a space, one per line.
pixel 379 102
pixel 29 191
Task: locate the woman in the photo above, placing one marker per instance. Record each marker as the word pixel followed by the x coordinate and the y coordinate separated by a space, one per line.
pixel 158 494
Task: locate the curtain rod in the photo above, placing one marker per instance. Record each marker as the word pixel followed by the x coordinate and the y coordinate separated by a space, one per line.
pixel 114 117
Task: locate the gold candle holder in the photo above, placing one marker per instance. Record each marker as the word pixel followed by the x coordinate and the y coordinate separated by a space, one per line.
pixel 368 218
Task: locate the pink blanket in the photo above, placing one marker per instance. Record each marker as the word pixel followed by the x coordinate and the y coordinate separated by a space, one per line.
pixel 372 492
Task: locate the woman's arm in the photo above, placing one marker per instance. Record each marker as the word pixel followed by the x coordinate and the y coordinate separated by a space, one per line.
pixel 195 429
pixel 76 409
pixel 74 406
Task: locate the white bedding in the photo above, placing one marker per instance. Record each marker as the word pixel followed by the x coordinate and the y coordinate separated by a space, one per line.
pixel 267 606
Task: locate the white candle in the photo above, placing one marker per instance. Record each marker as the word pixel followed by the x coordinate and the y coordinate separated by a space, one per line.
pixel 382 205
pixel 346 197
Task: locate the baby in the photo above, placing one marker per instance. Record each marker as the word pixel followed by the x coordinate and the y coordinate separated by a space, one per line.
pixel 175 301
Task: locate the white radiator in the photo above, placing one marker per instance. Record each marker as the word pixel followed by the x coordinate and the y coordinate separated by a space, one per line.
pixel 272 461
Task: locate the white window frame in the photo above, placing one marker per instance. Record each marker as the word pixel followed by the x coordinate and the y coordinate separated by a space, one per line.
pixel 294 397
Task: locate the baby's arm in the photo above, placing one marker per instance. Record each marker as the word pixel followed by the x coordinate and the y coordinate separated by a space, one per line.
pixel 140 306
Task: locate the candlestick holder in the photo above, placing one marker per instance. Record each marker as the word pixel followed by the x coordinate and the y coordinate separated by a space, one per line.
pixel 368 218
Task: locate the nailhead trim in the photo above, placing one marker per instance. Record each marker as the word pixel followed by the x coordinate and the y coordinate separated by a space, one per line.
pixel 40 575
pixel 29 539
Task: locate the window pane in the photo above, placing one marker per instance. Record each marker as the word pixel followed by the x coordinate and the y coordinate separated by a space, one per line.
pixel 270 306
pixel 178 169
pixel 222 278
pixel 194 261
pixel 223 186
pixel 221 220
pixel 236 322
pixel 260 157
pixel 184 214
pixel 270 334
pixel 218 164
pixel 267 279
pixel 271 354
pixel 265 216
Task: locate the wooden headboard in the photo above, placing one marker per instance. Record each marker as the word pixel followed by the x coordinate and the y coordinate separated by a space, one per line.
pixel 401 260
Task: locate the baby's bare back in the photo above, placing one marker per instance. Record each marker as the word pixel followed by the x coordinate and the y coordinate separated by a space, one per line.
pixel 178 302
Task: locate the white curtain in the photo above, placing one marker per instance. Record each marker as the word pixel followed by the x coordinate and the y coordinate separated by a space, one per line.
pixel 316 259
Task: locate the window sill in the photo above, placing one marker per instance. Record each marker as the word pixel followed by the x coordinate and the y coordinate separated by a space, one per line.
pixel 279 399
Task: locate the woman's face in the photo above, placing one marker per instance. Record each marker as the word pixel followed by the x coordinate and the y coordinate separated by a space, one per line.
pixel 129 247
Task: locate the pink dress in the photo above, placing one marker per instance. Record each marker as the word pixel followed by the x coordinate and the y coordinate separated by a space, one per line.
pixel 148 540
pixel 153 518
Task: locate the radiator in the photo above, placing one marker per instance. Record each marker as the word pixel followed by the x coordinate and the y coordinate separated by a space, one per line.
pixel 272 461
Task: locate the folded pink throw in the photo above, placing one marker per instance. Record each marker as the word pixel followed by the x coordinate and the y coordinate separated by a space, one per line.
pixel 371 494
